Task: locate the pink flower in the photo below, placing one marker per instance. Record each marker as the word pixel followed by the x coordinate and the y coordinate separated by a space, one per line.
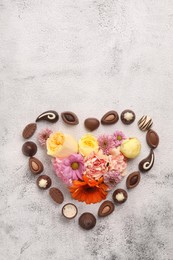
pixel 73 166
pixel 111 179
pixel 57 166
pixel 95 165
pixel 117 163
pixel 106 142
pixel 118 138
pixel 70 168
pixel 43 136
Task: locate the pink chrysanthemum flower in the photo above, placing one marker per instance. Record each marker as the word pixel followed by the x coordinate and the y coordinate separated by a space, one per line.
pixel 44 135
pixel 111 179
pixel 106 142
pixel 73 166
pixel 118 138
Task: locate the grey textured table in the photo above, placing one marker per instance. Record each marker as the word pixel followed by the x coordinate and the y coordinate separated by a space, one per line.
pixel 88 57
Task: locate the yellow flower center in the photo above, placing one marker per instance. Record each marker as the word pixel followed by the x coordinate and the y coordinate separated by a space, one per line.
pixel 74 165
pixel 119 137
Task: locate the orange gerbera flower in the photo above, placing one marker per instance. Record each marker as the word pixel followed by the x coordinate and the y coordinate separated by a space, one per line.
pixel 89 190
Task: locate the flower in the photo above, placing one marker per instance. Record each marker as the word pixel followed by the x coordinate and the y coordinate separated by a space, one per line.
pixel 131 147
pixel 87 144
pixel 106 142
pixel 43 136
pixel 118 138
pixel 95 165
pixel 89 191
pixel 117 163
pixel 61 145
pixel 73 166
pixel 112 178
pixel 59 171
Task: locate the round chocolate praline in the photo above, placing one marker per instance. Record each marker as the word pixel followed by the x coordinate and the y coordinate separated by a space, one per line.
pixel 119 191
pixel 130 120
pixel 65 213
pixel 29 148
pixel 87 220
pixel 46 185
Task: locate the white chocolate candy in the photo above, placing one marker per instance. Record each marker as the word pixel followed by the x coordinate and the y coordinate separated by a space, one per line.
pixel 145 123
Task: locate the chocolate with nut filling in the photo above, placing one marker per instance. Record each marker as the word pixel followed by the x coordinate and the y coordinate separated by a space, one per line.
pixel 35 165
pixel 106 208
pixel 110 118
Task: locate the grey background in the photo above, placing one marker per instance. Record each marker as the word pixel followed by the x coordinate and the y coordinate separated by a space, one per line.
pixel 89 57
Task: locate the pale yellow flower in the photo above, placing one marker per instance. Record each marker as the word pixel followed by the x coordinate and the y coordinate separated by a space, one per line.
pixel 87 144
pixel 61 145
pixel 130 148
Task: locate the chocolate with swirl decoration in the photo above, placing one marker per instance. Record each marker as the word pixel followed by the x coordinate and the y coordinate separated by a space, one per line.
pixel 147 163
pixel 145 123
pixel 50 116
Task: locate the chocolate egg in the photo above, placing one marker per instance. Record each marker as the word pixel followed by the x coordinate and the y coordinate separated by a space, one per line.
pixel 152 139
pixel 147 163
pixel 110 118
pixel 29 130
pixel 91 123
pixel 29 148
pixel 56 195
pixel 69 118
pixel 87 220
pixel 133 180
pixel 106 208
pixel 35 165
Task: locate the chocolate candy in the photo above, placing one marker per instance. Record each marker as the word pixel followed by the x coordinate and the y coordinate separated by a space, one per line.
pixel 69 210
pixel 147 163
pixel 87 220
pixel 29 130
pixel 36 166
pixel 119 196
pixel 110 118
pixel 50 116
pixel 152 139
pixel 44 182
pixel 128 117
pixel 91 123
pixel 69 118
pixel 56 195
pixel 29 148
pixel 106 208
pixel 145 123
pixel 133 180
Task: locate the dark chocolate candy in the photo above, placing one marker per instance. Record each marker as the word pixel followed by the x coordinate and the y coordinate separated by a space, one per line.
pixel 50 116
pixel 29 148
pixel 133 180
pixel 36 166
pixel 145 123
pixel 87 220
pixel 110 118
pixel 147 163
pixel 91 123
pixel 128 117
pixel 56 195
pixel 44 182
pixel 106 208
pixel 119 196
pixel 152 139
pixel 29 130
pixel 69 118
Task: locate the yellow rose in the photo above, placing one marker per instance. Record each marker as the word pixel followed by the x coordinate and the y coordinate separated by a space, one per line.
pixel 61 145
pixel 130 148
pixel 87 144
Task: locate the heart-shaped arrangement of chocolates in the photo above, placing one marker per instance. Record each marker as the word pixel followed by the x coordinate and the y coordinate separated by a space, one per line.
pixel 91 166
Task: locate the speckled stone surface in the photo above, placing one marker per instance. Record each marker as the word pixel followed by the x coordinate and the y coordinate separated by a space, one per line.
pixel 88 57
